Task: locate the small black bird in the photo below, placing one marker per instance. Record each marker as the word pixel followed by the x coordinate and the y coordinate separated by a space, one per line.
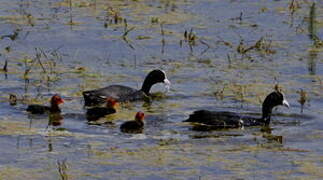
pixel 96 113
pixel 41 109
pixel 135 126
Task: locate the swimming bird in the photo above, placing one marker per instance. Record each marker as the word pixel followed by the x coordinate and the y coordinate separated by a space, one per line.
pixel 223 119
pixel 124 93
pixel 96 113
pixel 135 126
pixel 41 109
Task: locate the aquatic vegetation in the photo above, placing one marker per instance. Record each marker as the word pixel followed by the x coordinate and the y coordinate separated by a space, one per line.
pixel 15 128
pixel 62 168
pixel 312 23
pixel 10 172
pixel 293 6
pixel 302 99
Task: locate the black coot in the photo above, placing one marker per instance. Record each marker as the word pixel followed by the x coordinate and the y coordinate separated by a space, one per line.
pixel 221 119
pixel 96 113
pixel 41 109
pixel 124 93
pixel 135 126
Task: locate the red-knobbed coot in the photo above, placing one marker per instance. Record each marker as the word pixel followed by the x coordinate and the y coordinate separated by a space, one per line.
pixel 135 126
pixel 41 109
pixel 124 93
pixel 219 120
pixel 96 113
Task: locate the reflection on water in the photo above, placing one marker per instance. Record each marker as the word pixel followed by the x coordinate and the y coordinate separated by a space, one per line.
pixel 55 119
pixel 311 62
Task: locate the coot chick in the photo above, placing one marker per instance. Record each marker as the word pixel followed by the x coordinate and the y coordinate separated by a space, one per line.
pixel 123 93
pixel 96 113
pixel 222 119
pixel 135 126
pixel 41 109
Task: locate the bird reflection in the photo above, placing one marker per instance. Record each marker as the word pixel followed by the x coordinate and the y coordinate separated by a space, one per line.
pixel 55 119
pixel 267 134
pixel 311 63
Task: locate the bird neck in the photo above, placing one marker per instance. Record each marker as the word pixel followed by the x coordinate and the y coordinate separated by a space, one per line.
pixel 266 114
pixel 146 86
pixel 54 108
pixel 140 122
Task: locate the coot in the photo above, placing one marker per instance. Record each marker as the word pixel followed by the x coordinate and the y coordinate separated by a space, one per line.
pixel 222 119
pixel 96 113
pixel 123 93
pixel 41 109
pixel 135 126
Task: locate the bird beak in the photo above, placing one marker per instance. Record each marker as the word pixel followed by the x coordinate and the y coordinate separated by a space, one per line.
pixel 285 103
pixel 167 84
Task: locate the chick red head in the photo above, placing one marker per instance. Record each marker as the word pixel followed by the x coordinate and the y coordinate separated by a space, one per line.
pixel 140 116
pixel 56 99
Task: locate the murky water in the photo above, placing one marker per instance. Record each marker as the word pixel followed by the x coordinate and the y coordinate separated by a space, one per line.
pixel 235 54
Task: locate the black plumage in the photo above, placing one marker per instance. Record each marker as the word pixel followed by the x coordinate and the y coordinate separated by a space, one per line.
pixel 223 119
pixel 41 109
pixel 136 126
pixel 123 93
pixel 96 113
